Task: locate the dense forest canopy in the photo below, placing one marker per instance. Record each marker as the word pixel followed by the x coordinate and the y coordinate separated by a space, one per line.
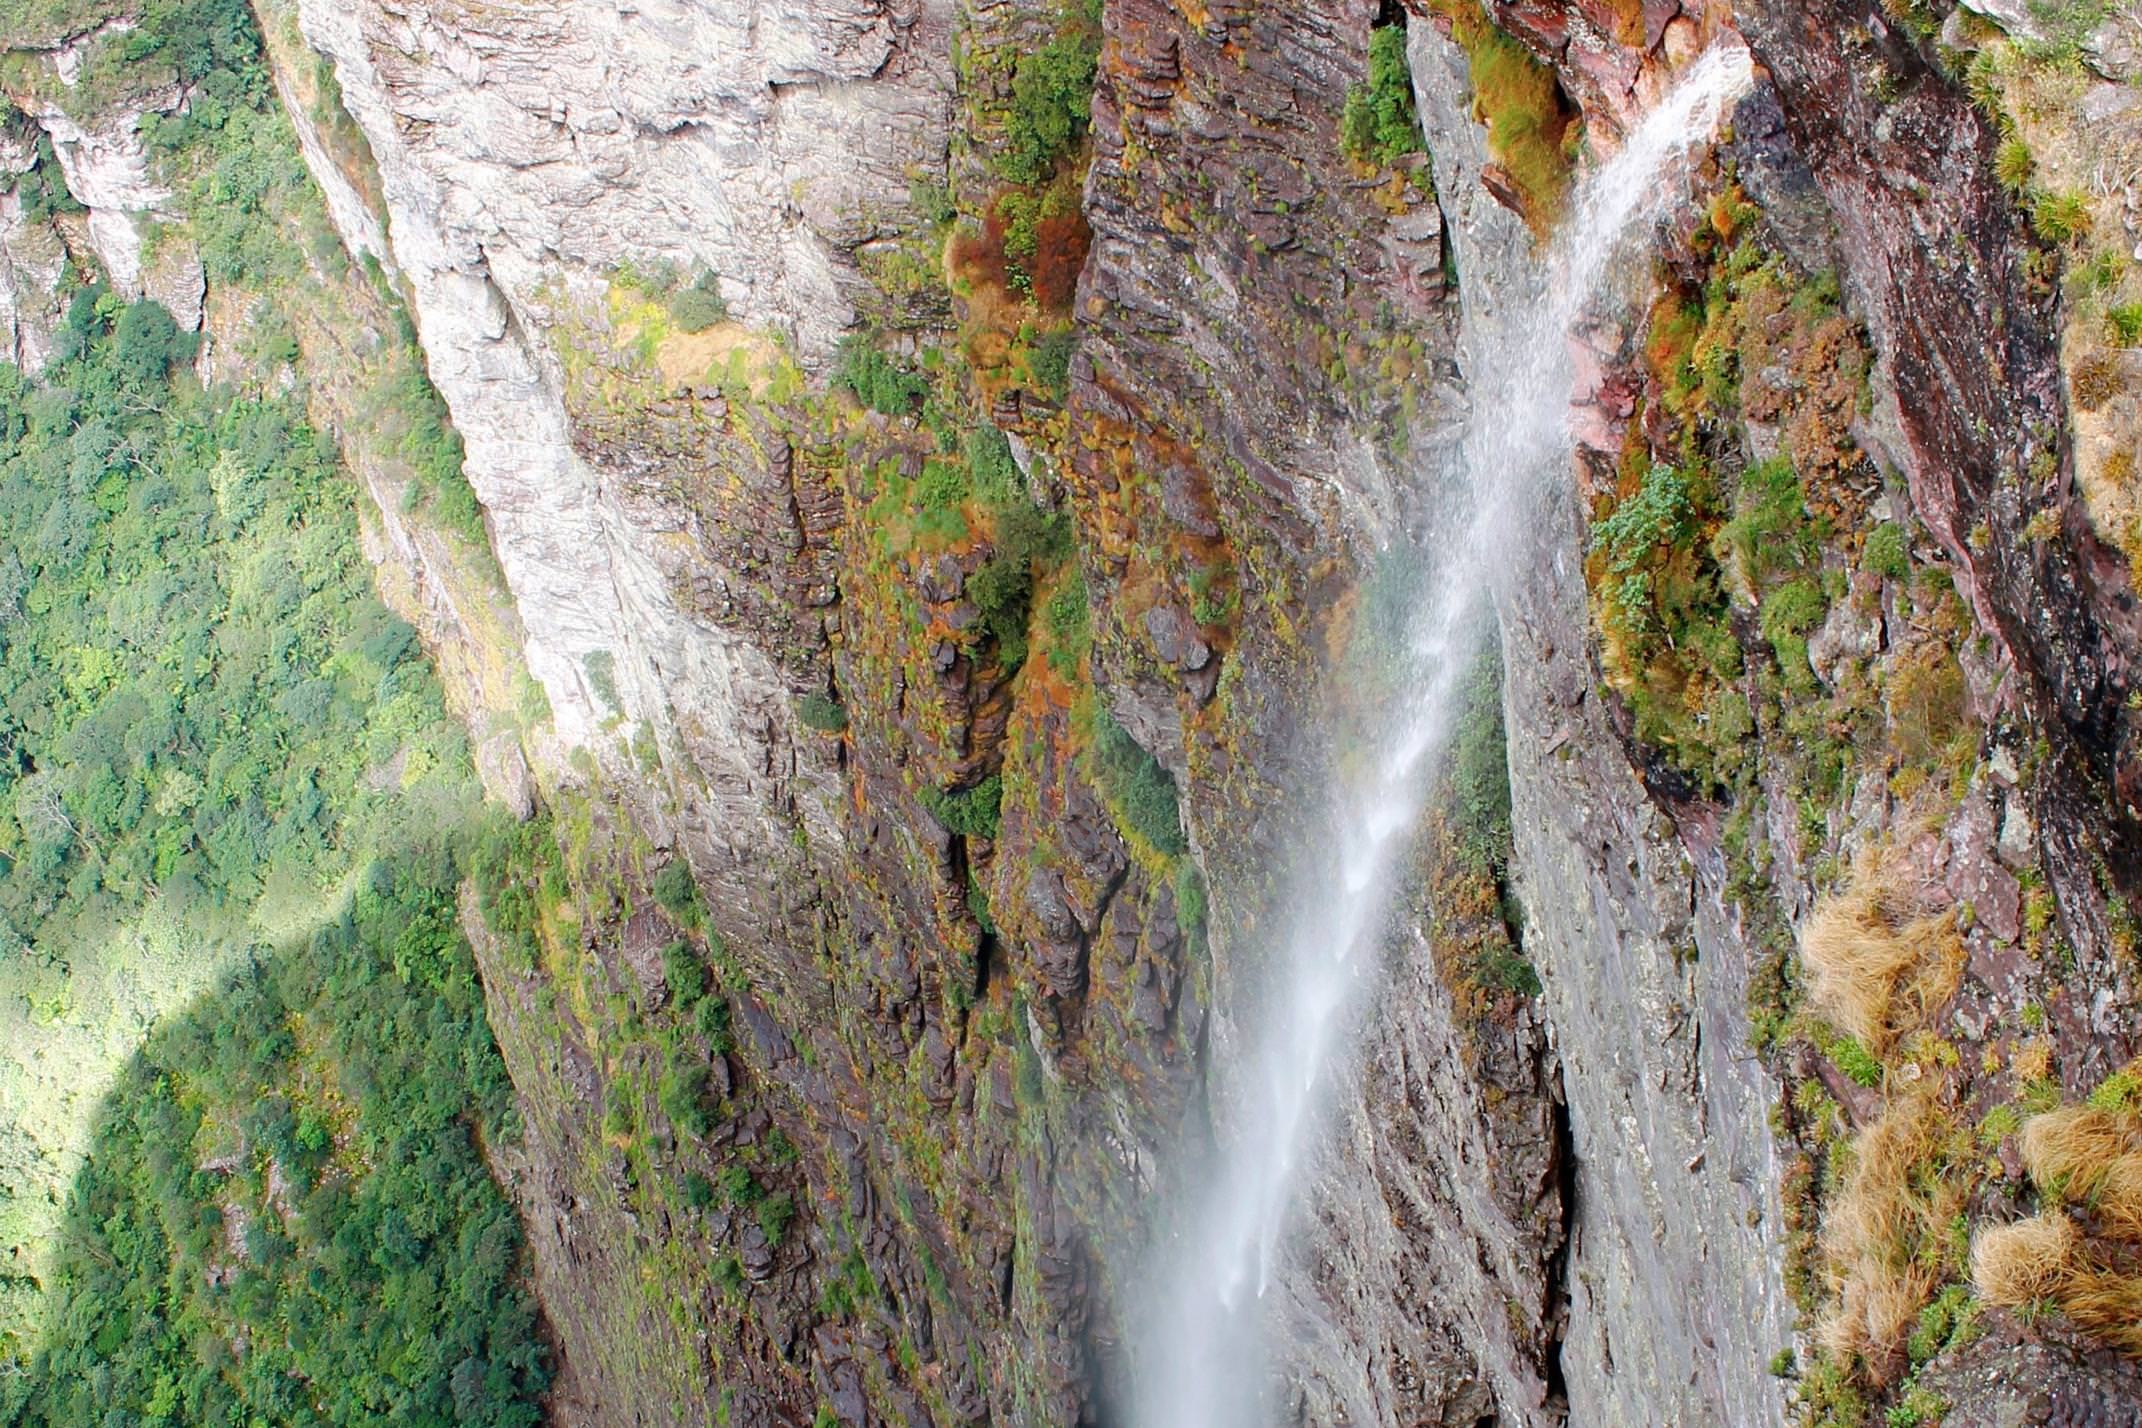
pixel 224 763
pixel 285 1216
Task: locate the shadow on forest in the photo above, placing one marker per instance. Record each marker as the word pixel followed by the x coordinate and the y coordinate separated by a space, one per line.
pixel 286 1215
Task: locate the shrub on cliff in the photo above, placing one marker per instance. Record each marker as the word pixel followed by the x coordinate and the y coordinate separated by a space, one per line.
pixel 1052 94
pixel 1379 125
pixel 874 379
pixel 698 306
pixel 968 812
pixel 1139 790
pixel 678 894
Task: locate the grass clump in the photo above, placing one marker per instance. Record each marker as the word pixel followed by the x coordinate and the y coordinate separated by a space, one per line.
pixel 2061 216
pixel 2079 1252
pixel 1886 1239
pixel 1378 125
pixel 1068 621
pixel 1878 965
pixel 2126 324
pixel 1522 105
pixel 1886 552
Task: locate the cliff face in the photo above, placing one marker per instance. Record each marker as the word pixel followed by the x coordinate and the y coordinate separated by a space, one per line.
pixel 982 697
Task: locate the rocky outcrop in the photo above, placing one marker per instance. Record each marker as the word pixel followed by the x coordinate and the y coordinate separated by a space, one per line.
pixel 522 162
pixel 92 202
pixel 32 256
pixel 982 1019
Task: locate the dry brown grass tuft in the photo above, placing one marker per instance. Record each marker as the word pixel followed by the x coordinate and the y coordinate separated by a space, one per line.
pixel 2106 1304
pixel 2088 1158
pixel 2071 1150
pixel 2019 1264
pixel 1880 963
pixel 2093 1158
pixel 1883 1237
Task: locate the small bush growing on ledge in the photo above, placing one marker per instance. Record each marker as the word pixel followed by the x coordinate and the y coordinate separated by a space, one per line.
pixel 678 894
pixel 874 379
pixel 971 812
pixel 823 713
pixel 1052 96
pixel 1051 362
pixel 1139 790
pixel 1379 125
pixel 700 306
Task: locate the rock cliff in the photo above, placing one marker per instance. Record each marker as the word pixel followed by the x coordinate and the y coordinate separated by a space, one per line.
pixel 942 470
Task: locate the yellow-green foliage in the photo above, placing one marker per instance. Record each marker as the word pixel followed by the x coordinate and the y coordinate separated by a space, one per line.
pixel 1521 103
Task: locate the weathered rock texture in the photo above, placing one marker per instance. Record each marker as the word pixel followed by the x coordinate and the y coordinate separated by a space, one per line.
pixel 983 1054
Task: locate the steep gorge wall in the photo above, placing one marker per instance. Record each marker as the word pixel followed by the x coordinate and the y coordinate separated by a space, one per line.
pixel 967 1050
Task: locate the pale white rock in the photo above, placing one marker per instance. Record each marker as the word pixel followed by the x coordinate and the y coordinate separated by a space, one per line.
pixel 31 257
pixel 2014 16
pixel 2114 48
pixel 107 170
pixel 175 278
pixel 524 151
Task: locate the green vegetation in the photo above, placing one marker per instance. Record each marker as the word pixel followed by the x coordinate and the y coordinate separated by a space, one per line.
pixel 1139 791
pixel 208 735
pixel 1028 540
pixel 874 379
pixel 1051 98
pixel 202 700
pixel 1520 101
pixel 286 1217
pixel 691 306
pixel 1378 125
pixel 42 192
pixel 187 41
pixel 1856 1062
pixel 1050 362
pixel 823 713
pixel 678 894
pixel 699 304
pixel 1659 516
pixel 1886 552
pixel 433 450
pixel 210 728
pixel 601 666
pixel 1068 621
pixel 2060 216
pixel 1478 780
pixel 968 812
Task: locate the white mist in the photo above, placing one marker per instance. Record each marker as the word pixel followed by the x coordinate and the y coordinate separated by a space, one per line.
pixel 1198 1360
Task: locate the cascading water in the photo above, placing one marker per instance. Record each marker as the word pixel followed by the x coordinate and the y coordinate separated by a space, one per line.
pixel 1199 1363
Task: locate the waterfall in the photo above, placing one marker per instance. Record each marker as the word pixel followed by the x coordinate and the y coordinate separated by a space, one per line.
pixel 1198 1360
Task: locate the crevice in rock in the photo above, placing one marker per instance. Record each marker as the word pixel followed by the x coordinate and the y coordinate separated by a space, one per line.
pixel 1556 1318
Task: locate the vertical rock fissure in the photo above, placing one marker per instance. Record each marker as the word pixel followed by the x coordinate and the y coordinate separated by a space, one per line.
pixel 1556 1310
